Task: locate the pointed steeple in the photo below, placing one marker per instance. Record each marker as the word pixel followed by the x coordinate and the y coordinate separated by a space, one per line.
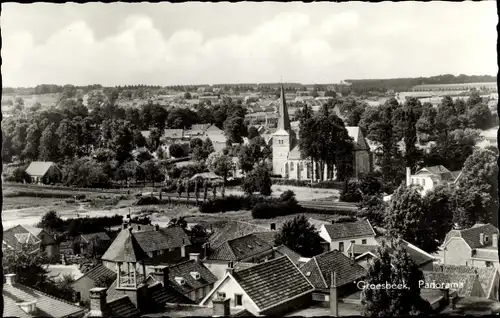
pixel 284 120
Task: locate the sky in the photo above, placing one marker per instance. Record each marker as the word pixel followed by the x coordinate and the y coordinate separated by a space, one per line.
pixel 209 43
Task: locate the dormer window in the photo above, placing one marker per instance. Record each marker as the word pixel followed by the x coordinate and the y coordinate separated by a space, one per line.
pixel 180 280
pixel 195 275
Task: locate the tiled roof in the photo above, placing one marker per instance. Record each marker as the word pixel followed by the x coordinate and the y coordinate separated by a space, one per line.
pixel 146 133
pixel 284 250
pixel 317 223
pixel 184 270
pixel 349 229
pixel 123 307
pixel 99 271
pixel 18 235
pixel 173 133
pixel 39 168
pixel 152 241
pixel 47 306
pixel 266 236
pixel 419 256
pixel 243 313
pixel 486 254
pixel 125 248
pixel 453 279
pixel 471 235
pixel 176 237
pixel 485 274
pixel 99 235
pixel 318 269
pixel 240 248
pixel 162 295
pixel 228 229
pixel 273 282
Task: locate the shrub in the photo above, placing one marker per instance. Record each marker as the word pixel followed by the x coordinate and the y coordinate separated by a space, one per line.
pixel 148 201
pixel 345 218
pixel 328 184
pixel 352 192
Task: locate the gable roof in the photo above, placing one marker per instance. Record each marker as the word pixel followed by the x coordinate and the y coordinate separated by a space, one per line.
pixel 284 250
pixel 266 236
pixel 318 269
pixel 98 272
pixel 466 281
pixel 39 168
pixel 123 307
pixel 471 235
pixel 344 230
pixel 229 229
pixel 240 248
pixel 439 171
pixel 162 295
pixel 486 275
pixel 317 223
pixel 419 256
pixel 125 248
pixel 18 235
pixel 273 282
pixel 184 270
pixel 92 236
pixel 175 236
pixel 154 240
pixel 47 306
pixel 173 133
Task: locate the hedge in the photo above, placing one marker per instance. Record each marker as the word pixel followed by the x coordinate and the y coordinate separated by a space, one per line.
pixel 57 195
pixel 306 183
pixel 232 203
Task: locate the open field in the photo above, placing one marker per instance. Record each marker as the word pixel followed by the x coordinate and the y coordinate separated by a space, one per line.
pixel 30 100
pixel 301 193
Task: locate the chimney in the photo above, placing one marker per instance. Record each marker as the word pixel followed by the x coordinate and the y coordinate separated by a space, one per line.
pixel 161 274
pixel 408 176
pixel 157 227
pixel 221 307
pixel 183 248
pixel 230 267
pixel 194 256
pixel 273 226
pixel 481 238
pixel 334 305
pixel 98 304
pixel 495 240
pixel 10 279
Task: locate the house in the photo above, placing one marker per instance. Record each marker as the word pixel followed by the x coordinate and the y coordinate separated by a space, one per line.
pixel 340 235
pixel 362 254
pixel 321 267
pixel 22 301
pixel 476 246
pixel 196 130
pixel 191 278
pixel 172 135
pixel 90 279
pixel 146 134
pixel 430 177
pixel 228 229
pixel 272 288
pixel 153 242
pixel 93 243
pixel 245 249
pixel 39 240
pixel 287 158
pixel 488 277
pixel 44 172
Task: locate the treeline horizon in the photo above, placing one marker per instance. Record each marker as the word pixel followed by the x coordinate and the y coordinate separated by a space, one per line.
pixel 391 83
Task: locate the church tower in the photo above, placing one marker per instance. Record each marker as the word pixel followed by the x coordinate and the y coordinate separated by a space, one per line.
pixel 283 139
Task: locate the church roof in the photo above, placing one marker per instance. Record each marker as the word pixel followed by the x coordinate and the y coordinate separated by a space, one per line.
pixel 353 132
pixel 125 248
pixel 294 153
pixel 283 120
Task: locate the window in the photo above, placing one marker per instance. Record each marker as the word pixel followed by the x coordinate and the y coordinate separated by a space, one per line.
pixel 291 166
pixel 353 241
pixel 341 246
pixel 238 300
pixel 363 241
pixel 488 264
pixel 221 295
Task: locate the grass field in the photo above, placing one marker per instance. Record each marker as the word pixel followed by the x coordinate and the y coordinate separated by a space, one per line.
pixel 301 193
pixel 30 100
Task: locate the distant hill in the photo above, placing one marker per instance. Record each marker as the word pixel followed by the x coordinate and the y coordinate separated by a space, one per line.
pixel 362 86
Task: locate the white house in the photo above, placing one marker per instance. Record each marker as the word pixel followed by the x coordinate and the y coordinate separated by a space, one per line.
pixel 429 177
pixel 340 235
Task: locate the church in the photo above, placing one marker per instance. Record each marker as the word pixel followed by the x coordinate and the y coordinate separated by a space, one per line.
pixel 287 160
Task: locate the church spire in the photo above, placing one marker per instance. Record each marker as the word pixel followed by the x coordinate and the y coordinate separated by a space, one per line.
pixel 284 120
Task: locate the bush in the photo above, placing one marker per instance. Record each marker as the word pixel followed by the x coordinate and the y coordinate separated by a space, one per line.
pixel 328 184
pixel 270 210
pixel 352 192
pixel 345 218
pixel 148 201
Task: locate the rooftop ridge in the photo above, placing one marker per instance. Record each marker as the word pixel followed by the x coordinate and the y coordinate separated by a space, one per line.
pixel 47 295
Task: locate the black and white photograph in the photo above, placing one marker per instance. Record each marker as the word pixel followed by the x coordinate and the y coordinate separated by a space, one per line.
pixel 210 159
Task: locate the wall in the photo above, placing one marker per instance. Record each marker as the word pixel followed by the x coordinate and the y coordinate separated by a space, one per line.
pixel 290 306
pixel 427 267
pixel 218 268
pixel 458 252
pixel 334 245
pixel 363 161
pixel 231 287
pixel 83 285
pixel 424 180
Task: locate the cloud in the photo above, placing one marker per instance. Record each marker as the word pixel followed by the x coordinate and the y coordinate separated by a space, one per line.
pixel 296 45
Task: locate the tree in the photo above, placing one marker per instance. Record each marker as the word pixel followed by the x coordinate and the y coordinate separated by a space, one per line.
pixel 248 156
pixel 479 116
pixel 187 95
pixel 127 171
pixel 104 281
pixel 33 135
pixel 195 143
pixel 151 171
pixel 205 190
pixel 258 180
pixel 20 175
pixel 393 265
pixel 373 207
pixel 139 140
pixel 300 236
pixel 66 135
pixel 28 266
pixel 235 129
pixel 252 132
pixel 478 188
pixel 416 219
pixel 49 144
pixel 51 221
pixel 176 151
pixel 330 94
pixel 178 222
pixel 143 156
pixel 221 165
pixel 198 231
pixel 161 153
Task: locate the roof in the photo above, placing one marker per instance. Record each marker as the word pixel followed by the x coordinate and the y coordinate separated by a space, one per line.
pixel 343 230
pixel 243 313
pixel 353 132
pixel 318 269
pixel 39 168
pixel 99 235
pixel 486 254
pixel 317 223
pixel 47 306
pixel 471 235
pixel 283 120
pixel 240 248
pixel 18 235
pixel 175 237
pixel 273 282
pixel 206 175
pixel 173 133
pixel 284 250
pixel 229 229
pixel 439 171
pixel 419 256
pixel 154 240
pixel 184 270
pixel 146 133
pixel 266 236
pixel 123 307
pixel 486 275
pixel 162 295
pixel 125 248
pixel 295 153
pixel 465 281
pixel 98 272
